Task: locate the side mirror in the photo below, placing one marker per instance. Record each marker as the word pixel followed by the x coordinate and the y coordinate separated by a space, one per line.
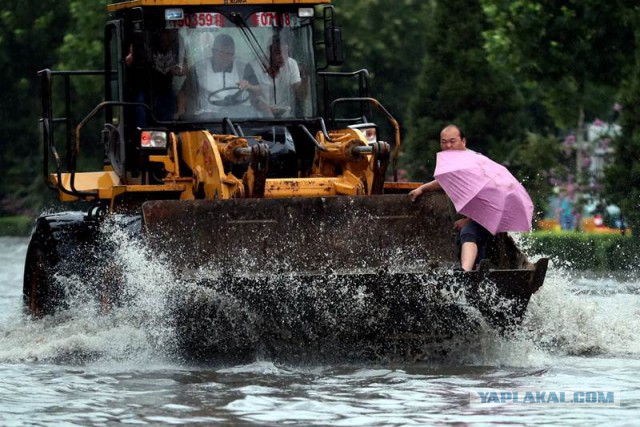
pixel 333 45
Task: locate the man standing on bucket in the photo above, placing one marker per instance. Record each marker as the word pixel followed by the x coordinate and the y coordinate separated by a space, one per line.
pixel 472 236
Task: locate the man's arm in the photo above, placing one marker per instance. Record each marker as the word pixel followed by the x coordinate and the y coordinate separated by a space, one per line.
pixel 250 82
pixel 429 186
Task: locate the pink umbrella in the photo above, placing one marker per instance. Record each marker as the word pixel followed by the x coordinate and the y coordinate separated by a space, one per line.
pixel 484 191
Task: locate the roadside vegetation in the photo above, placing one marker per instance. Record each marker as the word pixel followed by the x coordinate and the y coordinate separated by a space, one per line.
pixel 15 225
pixel 584 251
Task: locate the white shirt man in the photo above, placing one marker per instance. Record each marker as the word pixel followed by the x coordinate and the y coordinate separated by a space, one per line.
pixel 209 77
pixel 210 81
pixel 280 84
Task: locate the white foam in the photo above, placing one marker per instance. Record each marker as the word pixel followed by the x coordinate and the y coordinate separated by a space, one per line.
pixel 568 316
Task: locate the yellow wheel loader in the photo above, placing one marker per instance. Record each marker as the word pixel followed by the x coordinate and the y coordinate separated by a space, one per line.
pixel 223 150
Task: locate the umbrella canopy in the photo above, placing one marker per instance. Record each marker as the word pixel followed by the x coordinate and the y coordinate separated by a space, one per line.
pixel 484 191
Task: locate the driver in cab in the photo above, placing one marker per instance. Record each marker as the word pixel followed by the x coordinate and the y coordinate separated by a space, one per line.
pixel 280 86
pixel 215 86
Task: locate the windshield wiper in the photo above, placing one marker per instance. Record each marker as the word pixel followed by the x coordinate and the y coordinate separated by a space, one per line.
pixel 251 39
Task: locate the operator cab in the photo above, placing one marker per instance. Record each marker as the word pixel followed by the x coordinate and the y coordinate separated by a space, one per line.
pixel 204 64
pixel 246 70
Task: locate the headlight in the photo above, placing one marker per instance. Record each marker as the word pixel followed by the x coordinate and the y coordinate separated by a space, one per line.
pixel 153 139
pixel 305 12
pixel 370 134
pixel 173 14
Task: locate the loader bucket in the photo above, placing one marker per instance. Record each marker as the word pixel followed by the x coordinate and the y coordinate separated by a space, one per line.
pixel 342 235
pixel 336 277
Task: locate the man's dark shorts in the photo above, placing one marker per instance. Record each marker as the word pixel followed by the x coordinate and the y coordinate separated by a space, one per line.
pixel 474 232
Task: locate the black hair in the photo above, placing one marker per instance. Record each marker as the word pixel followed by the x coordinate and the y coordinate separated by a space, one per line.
pixel 224 41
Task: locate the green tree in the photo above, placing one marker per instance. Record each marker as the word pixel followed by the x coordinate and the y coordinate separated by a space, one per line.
pixel 570 48
pixel 387 37
pixel 458 85
pixel 83 49
pixel 535 162
pixel 83 44
pixel 623 176
pixel 29 37
pixel 47 34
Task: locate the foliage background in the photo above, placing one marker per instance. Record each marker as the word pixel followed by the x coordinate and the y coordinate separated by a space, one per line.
pixel 518 76
pixel 586 252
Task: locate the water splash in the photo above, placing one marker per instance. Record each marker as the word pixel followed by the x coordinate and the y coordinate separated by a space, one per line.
pixel 562 318
pixel 136 329
pixel 569 315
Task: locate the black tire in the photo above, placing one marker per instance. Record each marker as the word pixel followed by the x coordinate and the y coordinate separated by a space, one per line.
pixel 60 244
pixel 39 288
pixel 41 295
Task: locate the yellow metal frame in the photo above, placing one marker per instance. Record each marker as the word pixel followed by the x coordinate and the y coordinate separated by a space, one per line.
pixel 177 3
pixel 344 185
pixel 205 155
pixel 108 186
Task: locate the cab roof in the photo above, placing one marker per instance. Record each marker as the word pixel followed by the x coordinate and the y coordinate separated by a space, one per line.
pixel 126 4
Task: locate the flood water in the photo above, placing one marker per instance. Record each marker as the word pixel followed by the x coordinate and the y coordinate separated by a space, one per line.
pixel 580 336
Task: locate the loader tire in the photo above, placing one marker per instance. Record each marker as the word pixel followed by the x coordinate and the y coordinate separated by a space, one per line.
pixel 59 245
pixel 40 293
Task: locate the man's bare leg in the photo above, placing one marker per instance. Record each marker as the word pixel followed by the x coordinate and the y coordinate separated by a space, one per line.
pixel 468 255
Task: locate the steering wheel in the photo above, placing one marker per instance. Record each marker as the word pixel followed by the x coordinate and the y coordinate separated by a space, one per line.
pixel 239 96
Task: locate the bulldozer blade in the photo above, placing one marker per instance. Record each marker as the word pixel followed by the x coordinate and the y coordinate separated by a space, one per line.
pixel 303 235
